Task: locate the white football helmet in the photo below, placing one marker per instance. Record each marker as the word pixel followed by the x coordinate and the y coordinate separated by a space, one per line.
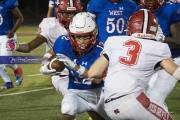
pixel 82 27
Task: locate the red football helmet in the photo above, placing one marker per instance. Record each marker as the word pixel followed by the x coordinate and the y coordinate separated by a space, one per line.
pixel 82 33
pixel 143 24
pixel 151 5
pixel 66 9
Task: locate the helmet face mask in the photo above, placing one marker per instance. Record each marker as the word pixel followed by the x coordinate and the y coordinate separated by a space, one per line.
pixel 151 5
pixel 82 43
pixel 82 33
pixel 143 24
pixel 66 9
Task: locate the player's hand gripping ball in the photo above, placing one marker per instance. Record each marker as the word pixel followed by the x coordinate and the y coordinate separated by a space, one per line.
pixel 57 65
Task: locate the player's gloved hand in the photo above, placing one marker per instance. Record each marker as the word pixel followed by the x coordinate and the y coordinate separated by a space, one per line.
pixel 72 65
pixel 11 44
pixel 45 70
pixel 66 60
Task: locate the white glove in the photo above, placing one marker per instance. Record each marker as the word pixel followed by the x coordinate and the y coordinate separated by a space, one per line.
pixel 46 71
pixel 11 45
pixel 69 63
pixel 66 60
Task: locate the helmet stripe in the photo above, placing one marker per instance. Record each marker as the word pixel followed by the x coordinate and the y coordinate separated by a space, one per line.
pixel 145 25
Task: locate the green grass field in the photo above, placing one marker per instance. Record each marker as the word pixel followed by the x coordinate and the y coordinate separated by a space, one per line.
pixel 42 102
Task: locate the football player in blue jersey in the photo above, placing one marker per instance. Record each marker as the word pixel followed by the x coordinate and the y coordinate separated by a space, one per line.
pixel 168 16
pixel 9 13
pixel 111 16
pixel 82 47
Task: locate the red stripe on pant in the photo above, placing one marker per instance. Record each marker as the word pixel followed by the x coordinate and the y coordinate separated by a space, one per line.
pixel 153 108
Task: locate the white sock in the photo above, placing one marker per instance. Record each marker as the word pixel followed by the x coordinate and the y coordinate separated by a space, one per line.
pixel 4 75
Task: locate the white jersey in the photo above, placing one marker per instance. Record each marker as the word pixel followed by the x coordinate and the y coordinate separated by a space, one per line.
pixel 131 63
pixel 51 29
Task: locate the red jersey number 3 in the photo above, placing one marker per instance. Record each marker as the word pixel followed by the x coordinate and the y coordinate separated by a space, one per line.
pixel 131 58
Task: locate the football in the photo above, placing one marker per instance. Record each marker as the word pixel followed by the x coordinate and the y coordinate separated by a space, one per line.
pixel 57 65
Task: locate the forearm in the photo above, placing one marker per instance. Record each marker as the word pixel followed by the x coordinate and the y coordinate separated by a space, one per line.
pixel 174 40
pixel 172 43
pixel 84 72
pixel 36 42
pixel 18 23
pixel 171 68
pixel 23 48
pixel 18 19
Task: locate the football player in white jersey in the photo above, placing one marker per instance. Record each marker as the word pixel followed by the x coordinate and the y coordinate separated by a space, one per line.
pixel 130 61
pixel 49 30
pixel 162 83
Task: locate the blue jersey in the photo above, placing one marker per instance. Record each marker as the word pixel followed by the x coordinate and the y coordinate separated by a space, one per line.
pixel 63 46
pixel 6 17
pixel 111 17
pixel 168 14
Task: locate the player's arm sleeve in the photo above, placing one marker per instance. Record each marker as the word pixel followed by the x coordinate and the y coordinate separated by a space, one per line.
pixel 43 29
pixel 162 53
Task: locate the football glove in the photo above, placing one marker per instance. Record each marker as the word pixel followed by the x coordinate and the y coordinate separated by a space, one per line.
pixel 11 45
pixel 66 60
pixel 69 63
pixel 46 71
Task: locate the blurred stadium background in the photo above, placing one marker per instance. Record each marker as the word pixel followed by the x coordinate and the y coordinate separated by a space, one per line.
pixel 36 99
pixel 33 10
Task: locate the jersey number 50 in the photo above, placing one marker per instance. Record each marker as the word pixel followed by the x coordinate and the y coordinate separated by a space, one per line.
pixel 134 48
pixel 113 25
